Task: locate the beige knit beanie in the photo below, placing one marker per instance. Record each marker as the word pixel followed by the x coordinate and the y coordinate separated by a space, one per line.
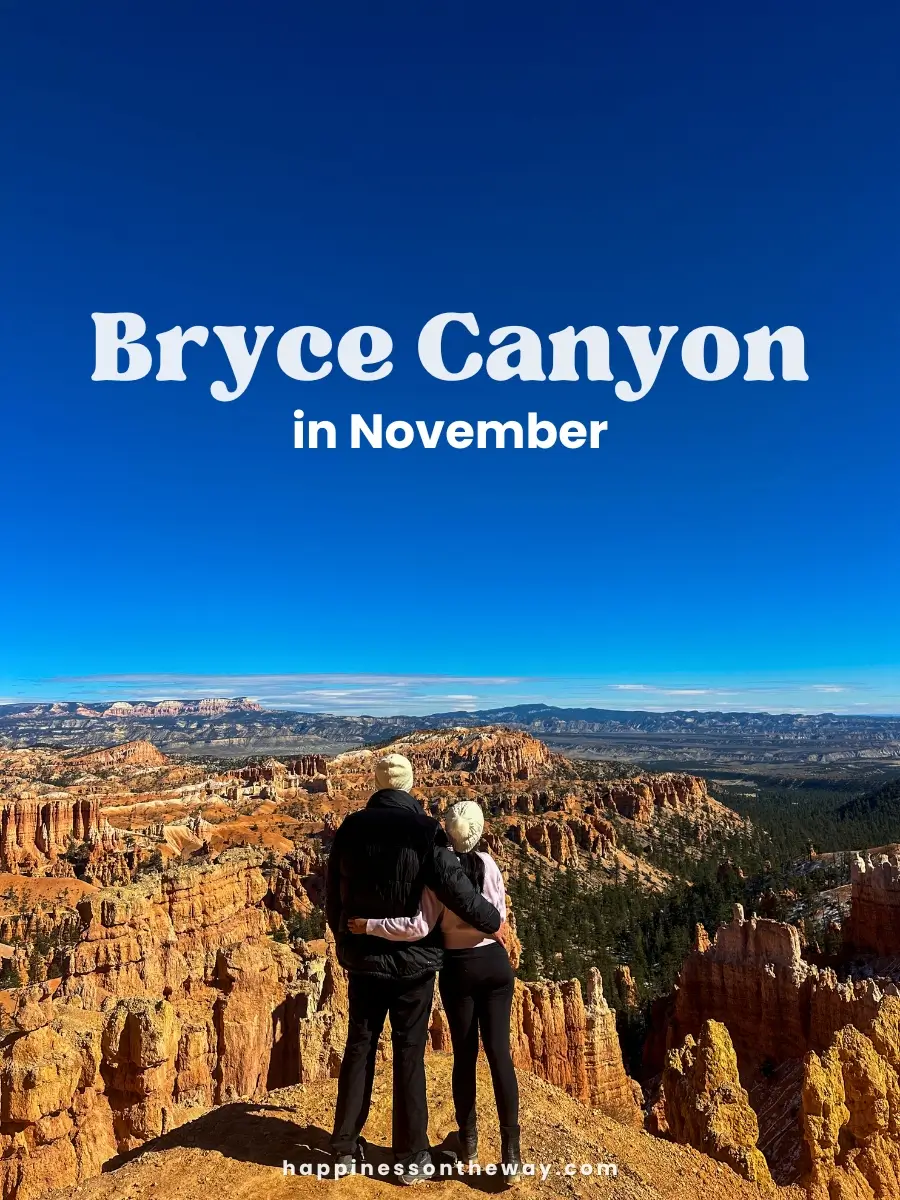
pixel 394 771
pixel 464 823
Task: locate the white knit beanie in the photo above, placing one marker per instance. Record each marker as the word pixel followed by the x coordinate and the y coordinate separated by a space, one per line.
pixel 394 771
pixel 464 823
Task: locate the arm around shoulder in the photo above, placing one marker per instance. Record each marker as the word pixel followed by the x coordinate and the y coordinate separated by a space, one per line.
pixel 451 885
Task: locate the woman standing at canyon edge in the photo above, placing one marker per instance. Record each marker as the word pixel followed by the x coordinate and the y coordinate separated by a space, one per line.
pixel 476 984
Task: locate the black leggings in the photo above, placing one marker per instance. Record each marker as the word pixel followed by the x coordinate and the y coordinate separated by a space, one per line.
pixel 477 989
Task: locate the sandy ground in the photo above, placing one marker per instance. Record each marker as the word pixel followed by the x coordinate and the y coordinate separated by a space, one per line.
pixel 238 1152
pixel 50 891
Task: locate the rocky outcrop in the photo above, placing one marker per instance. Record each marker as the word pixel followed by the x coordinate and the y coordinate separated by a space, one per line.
pixel 36 829
pixel 296 882
pixel 307 766
pixel 558 839
pixel 753 979
pixel 792 1022
pixel 132 754
pixel 174 999
pixel 625 988
pixel 639 798
pixel 706 1107
pixel 874 923
pixel 851 1121
pixel 159 935
pixel 36 940
pixel 573 1044
pixel 459 756
pixel 551 839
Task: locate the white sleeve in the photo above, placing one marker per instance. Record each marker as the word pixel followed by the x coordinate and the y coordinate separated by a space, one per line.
pixel 494 887
pixel 409 929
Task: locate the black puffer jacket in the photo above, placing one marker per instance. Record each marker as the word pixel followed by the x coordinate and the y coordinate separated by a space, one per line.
pixel 381 859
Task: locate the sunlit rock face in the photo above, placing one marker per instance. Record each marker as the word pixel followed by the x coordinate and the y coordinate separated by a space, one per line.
pixel 37 829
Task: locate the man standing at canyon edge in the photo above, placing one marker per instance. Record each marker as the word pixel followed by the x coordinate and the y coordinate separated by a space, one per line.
pixel 382 858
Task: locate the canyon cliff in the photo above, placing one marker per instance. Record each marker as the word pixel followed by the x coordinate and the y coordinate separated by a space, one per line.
pixel 37 828
pixel 776 1005
pixel 706 1107
pixel 874 924
pixel 137 753
pixel 174 998
pixel 819 1052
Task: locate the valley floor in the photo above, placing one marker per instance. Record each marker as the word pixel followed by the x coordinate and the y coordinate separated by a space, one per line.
pixel 238 1151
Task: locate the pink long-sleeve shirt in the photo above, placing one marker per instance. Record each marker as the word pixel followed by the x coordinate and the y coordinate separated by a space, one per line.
pixel 458 935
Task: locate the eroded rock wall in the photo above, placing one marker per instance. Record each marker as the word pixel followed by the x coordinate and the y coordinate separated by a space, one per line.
pixel 639 798
pixel 573 1044
pixel 175 998
pixel 776 1006
pixel 706 1107
pixel 850 1117
pixel 35 830
pixel 874 923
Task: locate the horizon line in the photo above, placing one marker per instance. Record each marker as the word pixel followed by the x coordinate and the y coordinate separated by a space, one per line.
pixel 653 710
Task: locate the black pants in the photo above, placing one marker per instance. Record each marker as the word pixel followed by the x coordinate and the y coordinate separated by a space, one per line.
pixel 409 1005
pixel 477 989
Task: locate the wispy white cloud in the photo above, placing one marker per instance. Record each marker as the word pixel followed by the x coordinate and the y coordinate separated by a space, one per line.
pixel 689 691
pixel 659 690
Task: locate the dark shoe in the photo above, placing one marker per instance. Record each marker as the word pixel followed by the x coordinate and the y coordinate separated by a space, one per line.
pixel 414 1169
pixel 510 1156
pixel 345 1164
pixel 467 1140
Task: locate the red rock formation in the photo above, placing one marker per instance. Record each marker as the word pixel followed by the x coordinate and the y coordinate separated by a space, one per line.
pixel 58 922
pixel 573 1045
pixel 296 882
pixel 625 987
pixel 851 1121
pixel 156 935
pixel 309 772
pixel 593 834
pixel 639 798
pixel 306 765
pixel 706 1107
pixel 874 924
pixel 133 754
pixel 485 756
pixel 753 980
pixel 557 839
pixel 775 1005
pixel 552 839
pixel 173 1000
pixel 36 829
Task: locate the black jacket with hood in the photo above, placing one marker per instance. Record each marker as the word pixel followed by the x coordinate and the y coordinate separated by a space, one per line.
pixel 381 859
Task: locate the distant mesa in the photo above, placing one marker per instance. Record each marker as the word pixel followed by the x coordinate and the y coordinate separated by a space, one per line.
pixel 209 706
pixel 138 753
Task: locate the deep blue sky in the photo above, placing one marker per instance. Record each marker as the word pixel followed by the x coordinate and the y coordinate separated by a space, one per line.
pixel 542 165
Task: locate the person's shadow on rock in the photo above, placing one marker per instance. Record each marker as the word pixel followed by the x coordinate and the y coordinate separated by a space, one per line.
pixel 253 1133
